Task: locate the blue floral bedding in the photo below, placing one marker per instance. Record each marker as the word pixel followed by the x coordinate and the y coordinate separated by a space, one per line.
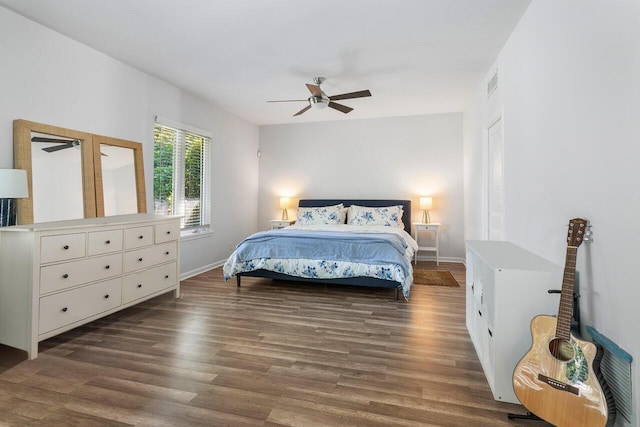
pixel 328 252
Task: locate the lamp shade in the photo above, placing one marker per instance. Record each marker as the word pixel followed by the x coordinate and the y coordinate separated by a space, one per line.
pixel 284 202
pixel 13 184
pixel 426 203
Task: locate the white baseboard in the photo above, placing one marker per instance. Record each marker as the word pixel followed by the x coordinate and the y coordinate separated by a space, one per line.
pixel 441 259
pixel 187 274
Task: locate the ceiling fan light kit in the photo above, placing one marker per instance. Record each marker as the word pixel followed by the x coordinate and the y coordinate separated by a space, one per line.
pixel 319 100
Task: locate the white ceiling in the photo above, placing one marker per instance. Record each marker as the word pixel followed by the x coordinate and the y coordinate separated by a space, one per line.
pixel 416 56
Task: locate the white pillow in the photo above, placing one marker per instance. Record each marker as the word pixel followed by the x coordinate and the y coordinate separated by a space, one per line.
pixel 389 216
pixel 320 215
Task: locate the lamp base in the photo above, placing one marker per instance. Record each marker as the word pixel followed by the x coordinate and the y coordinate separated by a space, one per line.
pixel 285 215
pixel 7 212
pixel 426 218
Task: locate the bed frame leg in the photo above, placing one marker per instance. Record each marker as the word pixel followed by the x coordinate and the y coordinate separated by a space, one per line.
pixel 396 293
pixel 238 280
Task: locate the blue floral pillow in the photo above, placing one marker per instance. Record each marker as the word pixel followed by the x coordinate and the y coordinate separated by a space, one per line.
pixel 319 216
pixel 389 216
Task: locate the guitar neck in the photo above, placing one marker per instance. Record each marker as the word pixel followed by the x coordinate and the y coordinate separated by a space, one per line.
pixel 565 310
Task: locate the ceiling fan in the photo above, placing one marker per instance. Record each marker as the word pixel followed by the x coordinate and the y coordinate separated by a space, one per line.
pixel 64 143
pixel 70 143
pixel 319 99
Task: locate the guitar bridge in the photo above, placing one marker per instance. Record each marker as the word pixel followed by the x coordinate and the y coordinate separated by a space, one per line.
pixel 559 385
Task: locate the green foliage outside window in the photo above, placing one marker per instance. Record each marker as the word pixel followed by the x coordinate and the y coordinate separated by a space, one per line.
pixel 193 163
pixel 163 149
pixel 178 166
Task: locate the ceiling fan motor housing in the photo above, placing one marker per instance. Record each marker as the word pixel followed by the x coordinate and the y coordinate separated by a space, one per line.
pixel 319 101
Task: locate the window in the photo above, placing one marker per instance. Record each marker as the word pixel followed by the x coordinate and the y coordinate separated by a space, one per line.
pixel 181 173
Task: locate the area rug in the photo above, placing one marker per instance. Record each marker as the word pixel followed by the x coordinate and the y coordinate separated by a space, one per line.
pixel 433 278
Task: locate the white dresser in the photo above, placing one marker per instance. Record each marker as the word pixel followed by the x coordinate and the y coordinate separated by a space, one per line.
pixel 506 288
pixel 59 275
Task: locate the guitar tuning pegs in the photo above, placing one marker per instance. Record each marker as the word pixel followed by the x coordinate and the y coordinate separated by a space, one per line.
pixel 588 235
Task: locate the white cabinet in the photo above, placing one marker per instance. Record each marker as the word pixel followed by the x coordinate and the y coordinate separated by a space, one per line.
pixel 277 224
pixel 433 227
pixel 59 275
pixel 506 288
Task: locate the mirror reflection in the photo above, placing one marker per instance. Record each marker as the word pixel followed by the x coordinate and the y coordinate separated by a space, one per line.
pixel 118 177
pixel 56 178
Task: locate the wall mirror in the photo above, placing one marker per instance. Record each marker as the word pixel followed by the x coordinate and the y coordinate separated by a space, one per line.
pixel 119 172
pixel 73 174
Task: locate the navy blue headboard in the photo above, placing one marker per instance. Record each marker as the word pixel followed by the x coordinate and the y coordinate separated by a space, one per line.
pixel 406 206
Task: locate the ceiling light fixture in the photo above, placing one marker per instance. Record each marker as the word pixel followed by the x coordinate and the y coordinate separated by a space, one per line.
pixel 319 102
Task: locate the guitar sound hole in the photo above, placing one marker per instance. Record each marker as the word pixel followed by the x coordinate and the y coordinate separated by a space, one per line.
pixel 562 349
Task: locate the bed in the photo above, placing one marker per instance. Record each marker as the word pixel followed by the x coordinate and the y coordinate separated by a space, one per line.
pixel 371 250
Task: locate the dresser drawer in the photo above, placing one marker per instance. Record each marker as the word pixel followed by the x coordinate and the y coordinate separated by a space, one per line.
pixel 147 282
pixel 138 237
pixel 167 231
pixel 104 242
pixel 147 257
pixel 62 247
pixel 61 276
pixel 68 307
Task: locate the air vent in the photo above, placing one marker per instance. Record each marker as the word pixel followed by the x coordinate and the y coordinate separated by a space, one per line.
pixel 615 366
pixel 492 85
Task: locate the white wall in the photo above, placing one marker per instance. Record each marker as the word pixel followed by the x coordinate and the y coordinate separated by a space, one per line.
pixel 570 89
pixel 48 78
pixel 401 157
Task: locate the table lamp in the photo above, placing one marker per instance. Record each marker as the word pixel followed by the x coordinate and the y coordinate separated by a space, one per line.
pixel 284 204
pixel 13 185
pixel 426 203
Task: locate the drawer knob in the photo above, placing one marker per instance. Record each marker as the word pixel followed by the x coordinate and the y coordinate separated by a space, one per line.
pixel 64 309
pixel 107 267
pixel 168 232
pixel 106 296
pixel 139 259
pixel 166 253
pixel 65 276
pixel 65 247
pixel 166 277
pixel 140 237
pixel 108 242
pixel 139 285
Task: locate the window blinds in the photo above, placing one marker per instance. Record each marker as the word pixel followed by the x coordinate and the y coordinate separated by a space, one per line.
pixel 181 174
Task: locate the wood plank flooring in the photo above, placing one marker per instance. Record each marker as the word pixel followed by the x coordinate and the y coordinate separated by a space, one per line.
pixel 266 354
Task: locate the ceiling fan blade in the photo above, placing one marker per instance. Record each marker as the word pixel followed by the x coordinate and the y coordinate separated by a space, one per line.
pixel 359 94
pixel 59 147
pixel 340 107
pixel 290 100
pixel 314 89
pixel 302 111
pixel 43 139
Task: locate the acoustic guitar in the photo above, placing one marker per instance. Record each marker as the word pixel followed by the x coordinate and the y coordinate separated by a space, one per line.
pixel 555 380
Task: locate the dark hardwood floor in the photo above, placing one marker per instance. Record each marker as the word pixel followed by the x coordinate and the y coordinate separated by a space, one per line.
pixel 266 354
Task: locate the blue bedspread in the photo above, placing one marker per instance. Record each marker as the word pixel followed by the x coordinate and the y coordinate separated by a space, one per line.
pixel 325 254
pixel 371 248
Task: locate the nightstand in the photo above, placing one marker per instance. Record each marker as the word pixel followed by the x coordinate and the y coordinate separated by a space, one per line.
pixel 281 223
pixel 433 227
